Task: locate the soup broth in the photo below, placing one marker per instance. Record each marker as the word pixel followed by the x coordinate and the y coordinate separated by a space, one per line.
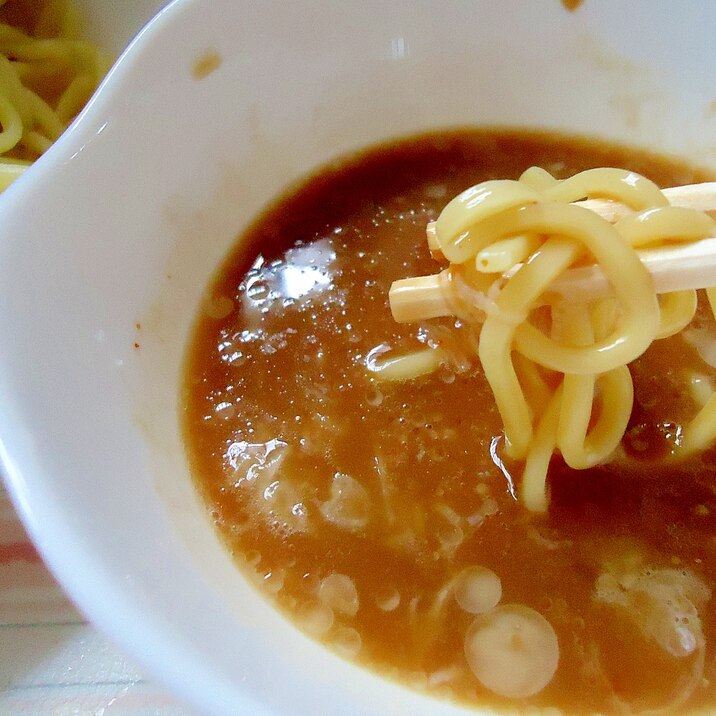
pixel 381 517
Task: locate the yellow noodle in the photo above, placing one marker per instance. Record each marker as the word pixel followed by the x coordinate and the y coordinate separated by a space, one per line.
pixel 45 117
pixel 537 178
pixel 36 142
pixel 495 354
pixel 452 228
pixel 579 449
pixel 603 313
pixel 536 389
pixel 58 19
pixel 75 97
pixel 672 223
pixel 676 311
pixel 12 89
pixel 701 388
pixel 11 125
pixel 10 170
pixel 582 450
pixel 629 188
pixel 533 490
pixel 576 329
pixel 504 254
pixel 711 295
pixel 19 46
pixel 410 365
pixel 700 433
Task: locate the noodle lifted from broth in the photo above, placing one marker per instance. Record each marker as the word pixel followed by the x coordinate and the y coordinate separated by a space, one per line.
pixel 558 366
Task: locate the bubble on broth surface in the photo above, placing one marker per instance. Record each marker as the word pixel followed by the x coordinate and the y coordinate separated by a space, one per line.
pixel 349 504
pixel 251 460
pixel 388 599
pixel 702 339
pixel 512 650
pixel 663 602
pixel 281 502
pixel 256 468
pixel 339 592
pixel 478 589
pixel 450 538
pixel 252 557
pixel 347 641
pixel 445 676
pixel 273 581
pixel 218 307
pixel 315 617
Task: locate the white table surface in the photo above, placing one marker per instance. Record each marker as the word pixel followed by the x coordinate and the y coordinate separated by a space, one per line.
pixel 52 662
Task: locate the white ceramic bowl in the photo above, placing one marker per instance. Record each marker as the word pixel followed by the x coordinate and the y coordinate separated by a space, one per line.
pixel 125 218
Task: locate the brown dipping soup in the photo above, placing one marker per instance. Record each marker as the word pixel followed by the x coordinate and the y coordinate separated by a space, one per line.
pixel 380 516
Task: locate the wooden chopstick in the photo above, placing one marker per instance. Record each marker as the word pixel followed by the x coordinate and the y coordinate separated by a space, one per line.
pixel 673 268
pixel 701 197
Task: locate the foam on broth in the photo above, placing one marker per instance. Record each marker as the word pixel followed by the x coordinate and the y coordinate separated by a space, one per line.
pixel 381 518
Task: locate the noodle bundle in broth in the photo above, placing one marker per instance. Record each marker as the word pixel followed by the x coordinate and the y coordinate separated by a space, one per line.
pixel 371 476
pixel 567 387
pixel 47 74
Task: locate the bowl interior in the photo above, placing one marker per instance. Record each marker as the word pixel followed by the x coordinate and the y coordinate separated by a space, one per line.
pixel 108 243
